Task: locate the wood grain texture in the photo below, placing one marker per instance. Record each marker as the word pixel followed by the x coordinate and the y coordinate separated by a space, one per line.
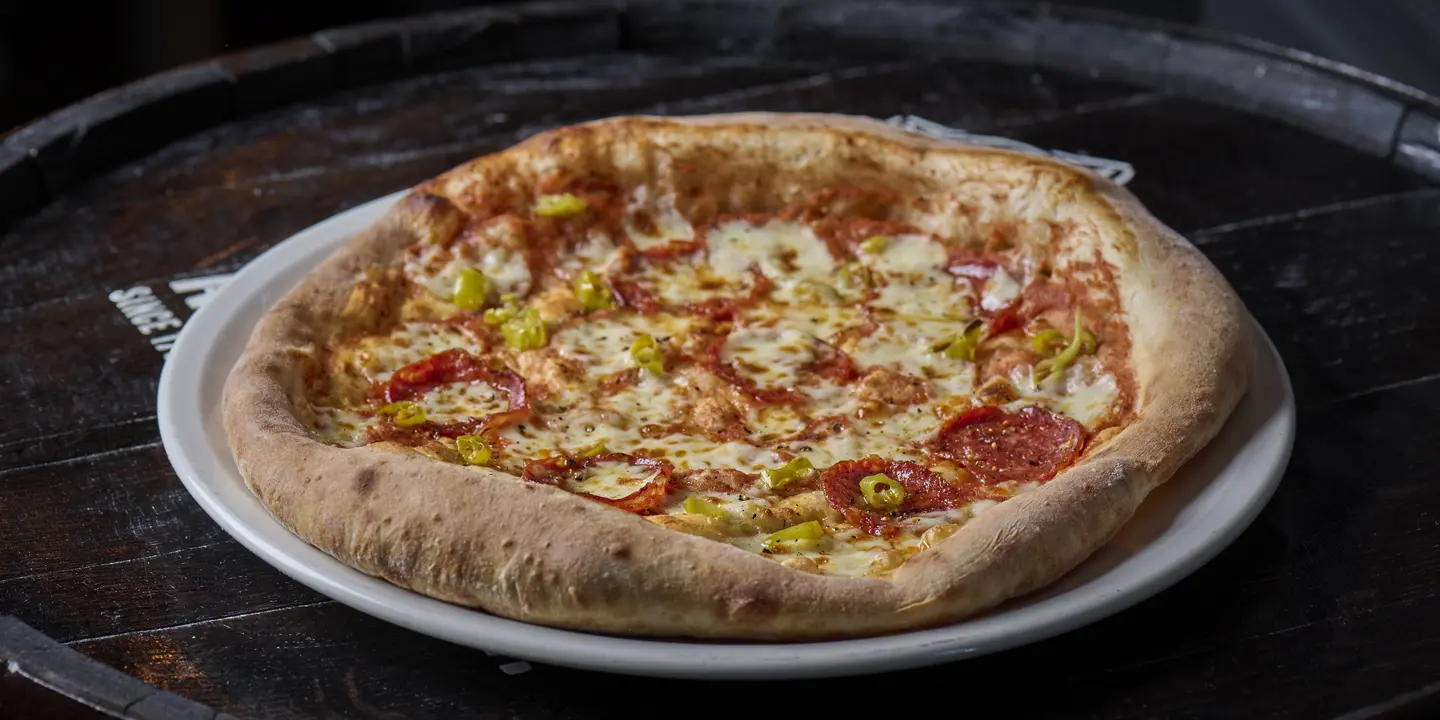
pixel 99 509
pixel 1326 606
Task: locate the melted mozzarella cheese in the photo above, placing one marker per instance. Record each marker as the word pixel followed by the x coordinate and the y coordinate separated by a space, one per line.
pixel 769 423
pixel 666 222
pixel 603 344
pixel 378 357
pixel 651 401
pixel 913 279
pixel 613 480
pixel 805 312
pixel 773 357
pixel 459 401
pixel 597 253
pixel 1000 291
pixel 668 225
pixel 859 440
pixel 786 252
pixel 434 268
pixel 688 452
pixel 345 428
pixel 905 344
pixel 930 294
pixel 907 255
pixel 687 281
pixel 616 421
pixel 1081 391
pixel 507 269
pixel 620 422
pixel 827 400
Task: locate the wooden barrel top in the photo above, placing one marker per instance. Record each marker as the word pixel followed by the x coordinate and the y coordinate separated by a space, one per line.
pixel 1314 187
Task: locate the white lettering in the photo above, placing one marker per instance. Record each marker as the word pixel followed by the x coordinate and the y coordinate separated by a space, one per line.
pixel 170 323
pixel 154 315
pixel 164 343
pixel 148 314
pixel 205 286
pixel 134 292
pixel 134 307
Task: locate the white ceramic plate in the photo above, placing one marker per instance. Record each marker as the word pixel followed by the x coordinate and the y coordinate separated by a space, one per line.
pixel 1180 527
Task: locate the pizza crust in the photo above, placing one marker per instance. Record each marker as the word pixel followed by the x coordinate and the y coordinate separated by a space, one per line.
pixel 539 554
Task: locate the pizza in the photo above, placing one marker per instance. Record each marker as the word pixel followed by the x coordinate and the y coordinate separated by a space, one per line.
pixel 755 376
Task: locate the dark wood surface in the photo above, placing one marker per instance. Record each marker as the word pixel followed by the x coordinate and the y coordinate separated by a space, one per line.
pixel 1313 188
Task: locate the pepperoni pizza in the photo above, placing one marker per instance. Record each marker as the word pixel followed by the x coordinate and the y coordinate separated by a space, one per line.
pixel 753 376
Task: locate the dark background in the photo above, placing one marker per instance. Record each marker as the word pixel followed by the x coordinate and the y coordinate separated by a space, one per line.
pixel 54 52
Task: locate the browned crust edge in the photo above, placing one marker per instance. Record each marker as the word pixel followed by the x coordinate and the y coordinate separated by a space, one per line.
pixel 538 554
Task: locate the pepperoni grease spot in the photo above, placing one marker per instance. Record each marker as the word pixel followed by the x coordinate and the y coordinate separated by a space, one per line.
pixel 1029 445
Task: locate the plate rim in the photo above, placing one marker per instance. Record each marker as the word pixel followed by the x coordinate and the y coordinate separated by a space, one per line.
pixel 191 357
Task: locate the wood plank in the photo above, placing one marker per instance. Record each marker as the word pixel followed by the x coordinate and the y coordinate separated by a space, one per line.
pixel 97 388
pixel 212 580
pixel 1198 165
pixel 99 509
pixel 1346 295
pixel 68 444
pixel 328 660
pixel 972 95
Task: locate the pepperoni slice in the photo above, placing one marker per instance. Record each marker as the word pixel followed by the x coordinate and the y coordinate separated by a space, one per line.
pixel 841 235
pixel 1029 445
pixel 833 363
pixel 1007 319
pixel 1041 296
pixel 671 249
pixel 567 473
pixel 714 480
pixel 925 490
pixel 448 366
pixel 635 296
